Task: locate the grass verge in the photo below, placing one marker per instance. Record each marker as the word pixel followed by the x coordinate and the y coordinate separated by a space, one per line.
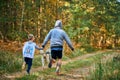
pixel 49 73
pixel 9 62
pixel 107 71
pixel 12 62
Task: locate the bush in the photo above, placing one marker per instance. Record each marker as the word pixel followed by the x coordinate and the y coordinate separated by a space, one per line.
pixel 89 48
pixel 76 53
pixel 16 35
pixel 107 71
pixel 9 62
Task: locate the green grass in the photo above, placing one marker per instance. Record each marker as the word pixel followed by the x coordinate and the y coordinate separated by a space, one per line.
pixel 28 77
pixel 84 62
pixel 12 62
pixel 107 71
pixel 37 61
pixel 88 48
pixel 49 73
pixel 9 62
pixel 74 54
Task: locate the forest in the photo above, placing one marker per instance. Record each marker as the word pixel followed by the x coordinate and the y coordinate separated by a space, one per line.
pixel 92 25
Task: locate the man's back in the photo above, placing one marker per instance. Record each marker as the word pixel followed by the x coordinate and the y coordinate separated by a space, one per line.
pixel 57 37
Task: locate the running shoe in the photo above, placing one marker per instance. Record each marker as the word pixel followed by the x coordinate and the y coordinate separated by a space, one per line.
pixel 50 64
pixel 57 71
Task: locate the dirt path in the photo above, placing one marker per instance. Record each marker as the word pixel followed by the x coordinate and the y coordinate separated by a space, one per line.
pixel 82 73
pixel 85 69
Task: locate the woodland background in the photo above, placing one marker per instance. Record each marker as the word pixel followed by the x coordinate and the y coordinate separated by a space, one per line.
pixel 92 25
pixel 89 23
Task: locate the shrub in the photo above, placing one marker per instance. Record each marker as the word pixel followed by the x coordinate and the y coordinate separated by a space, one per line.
pixel 107 71
pixel 9 62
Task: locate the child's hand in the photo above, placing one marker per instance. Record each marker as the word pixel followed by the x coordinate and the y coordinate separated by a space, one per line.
pixel 43 46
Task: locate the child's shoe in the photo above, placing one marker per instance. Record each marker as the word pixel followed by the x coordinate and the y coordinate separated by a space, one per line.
pixel 28 73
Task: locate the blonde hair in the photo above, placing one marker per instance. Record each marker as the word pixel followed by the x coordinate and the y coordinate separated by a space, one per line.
pixel 30 36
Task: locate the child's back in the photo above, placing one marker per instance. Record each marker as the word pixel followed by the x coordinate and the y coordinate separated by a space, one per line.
pixel 29 49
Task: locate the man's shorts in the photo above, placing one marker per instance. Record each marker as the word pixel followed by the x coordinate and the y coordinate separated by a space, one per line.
pixel 56 54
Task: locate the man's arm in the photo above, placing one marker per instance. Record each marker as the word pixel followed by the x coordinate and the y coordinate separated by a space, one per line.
pixel 47 38
pixel 38 48
pixel 67 39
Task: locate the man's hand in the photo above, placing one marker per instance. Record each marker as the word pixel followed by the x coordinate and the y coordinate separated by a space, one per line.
pixel 43 46
pixel 72 49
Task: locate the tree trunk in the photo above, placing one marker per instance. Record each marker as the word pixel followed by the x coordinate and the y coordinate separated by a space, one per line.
pixel 22 16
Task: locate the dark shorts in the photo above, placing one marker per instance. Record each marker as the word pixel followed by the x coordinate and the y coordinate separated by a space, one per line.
pixel 56 54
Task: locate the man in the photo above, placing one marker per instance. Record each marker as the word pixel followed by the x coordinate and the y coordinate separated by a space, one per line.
pixel 56 37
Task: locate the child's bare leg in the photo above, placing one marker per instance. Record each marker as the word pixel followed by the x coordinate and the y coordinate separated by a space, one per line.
pixel 23 65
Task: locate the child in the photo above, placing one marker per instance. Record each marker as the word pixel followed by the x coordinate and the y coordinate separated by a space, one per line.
pixel 28 52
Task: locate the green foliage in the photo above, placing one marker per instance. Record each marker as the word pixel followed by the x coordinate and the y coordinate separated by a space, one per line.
pixel 82 19
pixel 93 15
pixel 82 62
pixel 9 62
pixel 76 53
pixel 37 61
pixel 49 73
pixel 28 77
pixel 16 35
pixel 107 71
pixel 89 48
